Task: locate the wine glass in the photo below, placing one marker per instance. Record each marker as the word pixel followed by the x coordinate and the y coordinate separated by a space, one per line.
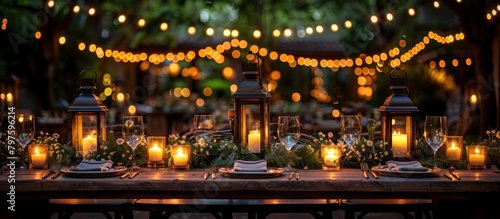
pixel 288 132
pixel 133 133
pixel 435 133
pixel 24 133
pixel 203 126
pixel 350 129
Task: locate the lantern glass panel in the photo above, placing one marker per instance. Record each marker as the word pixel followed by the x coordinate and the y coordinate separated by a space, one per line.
pixel 401 130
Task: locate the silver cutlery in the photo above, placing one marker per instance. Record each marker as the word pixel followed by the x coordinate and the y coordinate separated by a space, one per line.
pixel 133 174
pixel 452 172
pixel 367 169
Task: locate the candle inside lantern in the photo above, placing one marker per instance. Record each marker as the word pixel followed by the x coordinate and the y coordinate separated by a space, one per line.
pixel 399 143
pixel 476 159
pixel 453 152
pixel 38 159
pixel 254 141
pixel 89 143
pixel 331 158
pixel 181 158
pixel 155 153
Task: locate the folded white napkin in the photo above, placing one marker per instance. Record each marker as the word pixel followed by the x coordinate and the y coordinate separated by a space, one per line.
pixel 93 165
pixel 405 166
pixel 250 166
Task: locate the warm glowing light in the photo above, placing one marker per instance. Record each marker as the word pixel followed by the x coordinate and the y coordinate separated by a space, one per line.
pixel 348 24
pixel 226 33
pixel 374 19
pixel 163 26
pixel 287 32
pixel 132 110
pixel 389 16
pixel 120 97
pixel 296 97
pixel 335 113
pixel 76 9
pixel 319 29
pixel 334 27
pixel 51 4
pixel 309 30
pixel 38 35
pixel 436 4
pixel 473 99
pixel 91 11
pixel 191 30
pixel 235 33
pixel 411 12
pixel 122 18
pixel 62 40
pixel 200 102
pixel 141 22
pixel 468 61
pixel 276 33
pixel 210 31
pixel 257 34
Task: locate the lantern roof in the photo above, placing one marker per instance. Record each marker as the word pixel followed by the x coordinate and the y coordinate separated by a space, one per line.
pixel 251 87
pixel 398 101
pixel 87 101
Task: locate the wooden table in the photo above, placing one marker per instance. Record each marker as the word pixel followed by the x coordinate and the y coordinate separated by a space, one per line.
pixel 474 196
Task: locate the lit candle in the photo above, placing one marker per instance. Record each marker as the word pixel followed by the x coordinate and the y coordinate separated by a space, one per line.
pixel 10 99
pixel 89 143
pixel 181 158
pixel 476 159
pixel 399 144
pixel 254 141
pixel 453 152
pixel 37 159
pixel 155 153
pixel 331 158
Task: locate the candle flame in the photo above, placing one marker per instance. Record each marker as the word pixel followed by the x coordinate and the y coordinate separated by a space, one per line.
pixel 36 151
pixel 180 151
pixel 453 144
pixel 476 150
pixel 331 152
pixel 155 145
pixel 9 97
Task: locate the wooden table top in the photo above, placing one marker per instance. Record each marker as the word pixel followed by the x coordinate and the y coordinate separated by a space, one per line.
pixel 344 183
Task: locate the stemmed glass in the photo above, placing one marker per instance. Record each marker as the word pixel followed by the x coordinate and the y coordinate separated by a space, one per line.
pixel 435 132
pixel 24 133
pixel 133 133
pixel 203 126
pixel 350 129
pixel 288 132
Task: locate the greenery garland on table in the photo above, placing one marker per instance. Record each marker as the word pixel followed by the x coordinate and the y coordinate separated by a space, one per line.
pixel 223 153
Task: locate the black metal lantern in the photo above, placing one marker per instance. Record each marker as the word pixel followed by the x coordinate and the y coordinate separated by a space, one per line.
pixel 89 117
pixel 398 125
pixel 251 104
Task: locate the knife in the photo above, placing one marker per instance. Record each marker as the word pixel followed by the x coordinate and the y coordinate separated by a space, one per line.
pixel 133 174
pixel 56 174
pixel 448 176
pixel 46 174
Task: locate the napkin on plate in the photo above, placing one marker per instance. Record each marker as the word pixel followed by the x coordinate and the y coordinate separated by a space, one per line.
pixel 93 165
pixel 250 166
pixel 405 166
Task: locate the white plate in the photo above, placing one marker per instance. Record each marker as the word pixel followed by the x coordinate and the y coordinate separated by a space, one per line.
pixel 115 171
pixel 384 171
pixel 271 172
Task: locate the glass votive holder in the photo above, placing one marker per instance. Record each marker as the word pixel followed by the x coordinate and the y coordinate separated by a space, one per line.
pixel 38 156
pixel 331 155
pixel 156 151
pixel 181 156
pixel 454 145
pixel 476 157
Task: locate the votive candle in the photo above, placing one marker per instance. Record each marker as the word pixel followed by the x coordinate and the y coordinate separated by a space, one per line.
pixel 254 141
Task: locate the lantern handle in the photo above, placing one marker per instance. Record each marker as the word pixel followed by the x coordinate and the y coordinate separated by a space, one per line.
pixel 406 75
pixel 258 63
pixel 393 80
pixel 88 69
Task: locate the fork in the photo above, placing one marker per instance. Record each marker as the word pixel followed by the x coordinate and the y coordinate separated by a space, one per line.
pixel 370 170
pixel 364 169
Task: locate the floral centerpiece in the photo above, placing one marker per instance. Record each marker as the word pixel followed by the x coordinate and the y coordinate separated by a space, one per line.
pixel 116 150
pixel 58 153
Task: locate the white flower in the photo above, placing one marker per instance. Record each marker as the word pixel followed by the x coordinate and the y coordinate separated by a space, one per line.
pixel 369 143
pixel 488 132
pixel 493 131
pixel 498 134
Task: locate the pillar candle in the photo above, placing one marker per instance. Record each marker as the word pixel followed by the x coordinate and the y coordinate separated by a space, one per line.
pixel 331 158
pixel 181 158
pixel 476 159
pixel 254 141
pixel 89 143
pixel 155 153
pixel 399 143
pixel 37 159
pixel 453 152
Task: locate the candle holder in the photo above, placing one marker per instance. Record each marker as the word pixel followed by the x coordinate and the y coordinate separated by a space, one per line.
pixel 156 151
pixel 181 156
pixel 454 145
pixel 38 156
pixel 476 157
pixel 331 155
